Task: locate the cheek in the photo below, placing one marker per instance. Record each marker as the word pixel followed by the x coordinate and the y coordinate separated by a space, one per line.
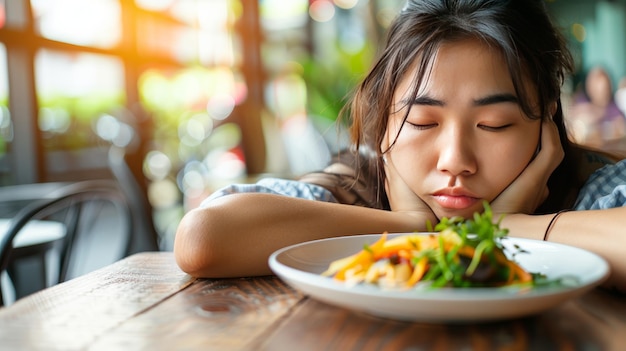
pixel 504 162
pixel 414 159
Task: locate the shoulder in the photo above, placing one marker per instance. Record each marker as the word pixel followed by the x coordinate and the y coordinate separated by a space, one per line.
pixel 277 186
pixel 605 188
pixel 587 162
pixel 346 184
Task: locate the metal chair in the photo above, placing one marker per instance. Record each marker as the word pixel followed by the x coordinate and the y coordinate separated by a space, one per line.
pixel 66 204
pixel 145 237
pixel 125 161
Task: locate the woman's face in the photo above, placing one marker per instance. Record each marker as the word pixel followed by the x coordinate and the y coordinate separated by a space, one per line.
pixel 466 138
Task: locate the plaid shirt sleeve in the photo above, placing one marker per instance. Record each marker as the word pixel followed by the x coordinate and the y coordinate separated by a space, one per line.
pixel 276 186
pixel 606 188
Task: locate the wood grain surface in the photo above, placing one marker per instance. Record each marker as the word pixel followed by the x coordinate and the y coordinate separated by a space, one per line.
pixel 74 314
pixel 583 324
pixel 224 314
pixel 145 302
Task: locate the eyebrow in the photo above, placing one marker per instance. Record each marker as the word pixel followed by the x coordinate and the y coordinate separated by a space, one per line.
pixel 484 101
pixel 496 99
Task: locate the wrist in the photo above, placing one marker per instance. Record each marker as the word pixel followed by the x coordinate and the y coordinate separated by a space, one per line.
pixel 552 223
pixel 526 226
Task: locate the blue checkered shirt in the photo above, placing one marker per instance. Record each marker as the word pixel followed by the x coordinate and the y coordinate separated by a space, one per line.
pixel 277 186
pixel 606 188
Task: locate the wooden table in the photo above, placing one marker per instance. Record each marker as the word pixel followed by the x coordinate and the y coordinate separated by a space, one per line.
pixel 145 302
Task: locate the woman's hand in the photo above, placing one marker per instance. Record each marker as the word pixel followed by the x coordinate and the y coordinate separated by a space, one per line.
pixel 402 198
pixel 530 188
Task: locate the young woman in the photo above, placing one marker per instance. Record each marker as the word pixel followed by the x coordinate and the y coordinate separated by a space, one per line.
pixel 462 107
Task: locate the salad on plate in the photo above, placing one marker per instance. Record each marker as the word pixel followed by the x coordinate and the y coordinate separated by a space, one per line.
pixel 457 253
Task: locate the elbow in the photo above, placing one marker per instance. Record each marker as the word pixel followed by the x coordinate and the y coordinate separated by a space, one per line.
pixel 195 244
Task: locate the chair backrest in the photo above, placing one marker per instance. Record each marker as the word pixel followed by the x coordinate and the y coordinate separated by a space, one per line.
pixel 14 197
pixel 70 198
pixel 145 237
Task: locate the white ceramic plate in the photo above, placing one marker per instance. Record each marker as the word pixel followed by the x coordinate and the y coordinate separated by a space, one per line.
pixel 300 266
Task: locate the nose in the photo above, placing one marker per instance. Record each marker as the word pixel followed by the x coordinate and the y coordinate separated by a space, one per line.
pixel 456 154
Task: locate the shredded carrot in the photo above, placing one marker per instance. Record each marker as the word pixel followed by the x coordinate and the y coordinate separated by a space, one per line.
pixel 418 271
pixel 522 275
pixel 405 242
pixel 338 268
pixel 367 265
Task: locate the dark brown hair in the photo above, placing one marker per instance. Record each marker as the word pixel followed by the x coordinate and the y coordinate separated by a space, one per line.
pixel 521 30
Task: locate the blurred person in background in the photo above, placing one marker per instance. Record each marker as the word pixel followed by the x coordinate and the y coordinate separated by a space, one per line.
pixel 595 119
pixel 620 95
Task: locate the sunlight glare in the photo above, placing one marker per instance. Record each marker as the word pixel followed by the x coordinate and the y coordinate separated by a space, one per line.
pixel 90 23
pixel 155 5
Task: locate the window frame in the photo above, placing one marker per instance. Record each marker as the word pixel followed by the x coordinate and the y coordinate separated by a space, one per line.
pixel 26 158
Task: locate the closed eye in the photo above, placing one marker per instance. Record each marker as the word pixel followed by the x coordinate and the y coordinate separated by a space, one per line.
pixel 422 126
pixel 494 128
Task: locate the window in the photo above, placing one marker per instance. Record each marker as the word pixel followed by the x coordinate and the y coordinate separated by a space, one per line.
pixel 94 23
pixel 201 92
pixel 161 79
pixel 72 89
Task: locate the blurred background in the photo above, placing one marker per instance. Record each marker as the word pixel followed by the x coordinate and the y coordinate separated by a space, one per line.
pixel 195 94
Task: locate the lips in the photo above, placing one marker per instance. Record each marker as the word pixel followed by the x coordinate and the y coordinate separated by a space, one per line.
pixel 455 198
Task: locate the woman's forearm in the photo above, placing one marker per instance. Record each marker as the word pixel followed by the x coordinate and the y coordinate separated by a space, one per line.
pixel 234 235
pixel 598 231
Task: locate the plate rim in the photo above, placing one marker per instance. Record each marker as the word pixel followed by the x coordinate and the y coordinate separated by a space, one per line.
pixel 296 278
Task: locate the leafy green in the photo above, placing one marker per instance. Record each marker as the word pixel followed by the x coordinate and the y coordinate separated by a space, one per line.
pixel 481 233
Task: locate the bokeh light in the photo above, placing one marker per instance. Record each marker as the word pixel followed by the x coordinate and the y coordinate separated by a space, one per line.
pixel 220 106
pixel 195 130
pixel 192 178
pixel 346 4
pixel 226 164
pixel 107 127
pixel 163 194
pixel 157 165
pixel 55 120
pixel 579 32
pixel 322 10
